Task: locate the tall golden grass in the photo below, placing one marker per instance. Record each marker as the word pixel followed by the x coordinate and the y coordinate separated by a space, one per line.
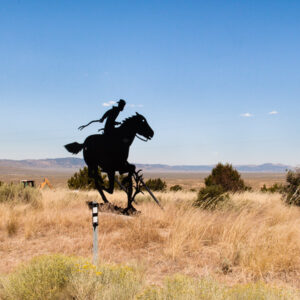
pixel 253 236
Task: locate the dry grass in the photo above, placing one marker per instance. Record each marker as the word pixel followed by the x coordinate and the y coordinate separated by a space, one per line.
pixel 253 237
pixel 11 224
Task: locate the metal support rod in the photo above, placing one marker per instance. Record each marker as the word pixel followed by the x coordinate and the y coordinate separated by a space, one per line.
pixel 121 185
pixel 149 191
pixel 145 186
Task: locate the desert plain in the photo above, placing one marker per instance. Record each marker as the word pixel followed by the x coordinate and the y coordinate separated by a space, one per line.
pixel 253 237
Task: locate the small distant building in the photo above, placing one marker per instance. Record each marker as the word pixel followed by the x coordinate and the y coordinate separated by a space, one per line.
pixel 28 183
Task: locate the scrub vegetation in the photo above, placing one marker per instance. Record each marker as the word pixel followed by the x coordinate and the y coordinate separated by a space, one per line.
pixel 81 180
pixel 246 248
pixel 69 278
pixel 223 179
pixel 156 184
pixel 16 193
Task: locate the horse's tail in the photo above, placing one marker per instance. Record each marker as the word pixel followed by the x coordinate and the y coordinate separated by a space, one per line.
pixel 74 147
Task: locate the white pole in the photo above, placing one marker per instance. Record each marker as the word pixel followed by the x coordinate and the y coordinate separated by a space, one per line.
pixel 95 232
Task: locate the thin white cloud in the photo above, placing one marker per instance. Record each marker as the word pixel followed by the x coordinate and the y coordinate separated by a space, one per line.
pixel 136 105
pixel 273 112
pixel 109 103
pixel 246 115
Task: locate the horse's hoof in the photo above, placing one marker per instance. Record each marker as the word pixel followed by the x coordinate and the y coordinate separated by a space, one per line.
pixel 108 207
pixel 125 212
pixel 129 211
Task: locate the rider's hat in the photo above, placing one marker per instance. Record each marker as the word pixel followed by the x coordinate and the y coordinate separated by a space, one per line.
pixel 122 102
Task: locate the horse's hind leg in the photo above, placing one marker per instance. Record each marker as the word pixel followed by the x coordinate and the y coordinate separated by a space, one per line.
pixel 129 191
pixel 131 170
pixel 93 173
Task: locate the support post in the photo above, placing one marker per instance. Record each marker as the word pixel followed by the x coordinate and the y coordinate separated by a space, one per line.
pixel 95 231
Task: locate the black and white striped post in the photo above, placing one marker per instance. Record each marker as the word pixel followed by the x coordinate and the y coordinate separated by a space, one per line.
pixel 94 206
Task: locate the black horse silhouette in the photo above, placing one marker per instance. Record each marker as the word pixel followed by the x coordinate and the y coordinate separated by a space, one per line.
pixel 110 153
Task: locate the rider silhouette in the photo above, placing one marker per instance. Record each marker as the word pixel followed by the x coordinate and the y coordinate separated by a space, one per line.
pixel 110 117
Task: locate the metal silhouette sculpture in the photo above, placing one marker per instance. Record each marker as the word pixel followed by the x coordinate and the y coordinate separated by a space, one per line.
pixel 110 151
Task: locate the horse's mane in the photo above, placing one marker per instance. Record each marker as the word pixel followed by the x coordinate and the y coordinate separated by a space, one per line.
pixel 128 121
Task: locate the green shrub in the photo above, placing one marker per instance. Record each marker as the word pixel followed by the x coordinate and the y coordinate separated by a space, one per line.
pixel 227 177
pixel 290 191
pixel 69 278
pixel 210 197
pixel 104 282
pixel 156 184
pixel 223 179
pixel 176 188
pixel 81 180
pixel 275 188
pixel 62 277
pixel 42 278
pixel 16 193
pixel 259 291
pixel 293 187
pixel 180 287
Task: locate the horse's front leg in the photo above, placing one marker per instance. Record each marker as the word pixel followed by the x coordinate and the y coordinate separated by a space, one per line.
pixel 111 181
pixel 93 173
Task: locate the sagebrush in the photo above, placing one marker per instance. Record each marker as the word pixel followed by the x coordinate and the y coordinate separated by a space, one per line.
pixel 81 180
pixel 293 187
pixel 61 277
pixel 17 193
pixel 223 179
pixel 156 184
pixel 176 188
pixel 227 177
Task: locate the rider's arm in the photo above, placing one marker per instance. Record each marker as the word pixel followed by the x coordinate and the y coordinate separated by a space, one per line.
pixel 104 116
pixel 83 126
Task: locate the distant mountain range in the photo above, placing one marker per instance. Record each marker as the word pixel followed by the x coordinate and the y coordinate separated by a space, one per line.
pixel 56 163
pixel 268 167
pixel 71 163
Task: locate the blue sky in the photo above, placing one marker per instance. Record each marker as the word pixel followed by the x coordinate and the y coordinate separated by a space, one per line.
pixel 216 80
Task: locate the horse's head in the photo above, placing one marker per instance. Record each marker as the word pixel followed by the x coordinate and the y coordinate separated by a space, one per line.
pixel 142 127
